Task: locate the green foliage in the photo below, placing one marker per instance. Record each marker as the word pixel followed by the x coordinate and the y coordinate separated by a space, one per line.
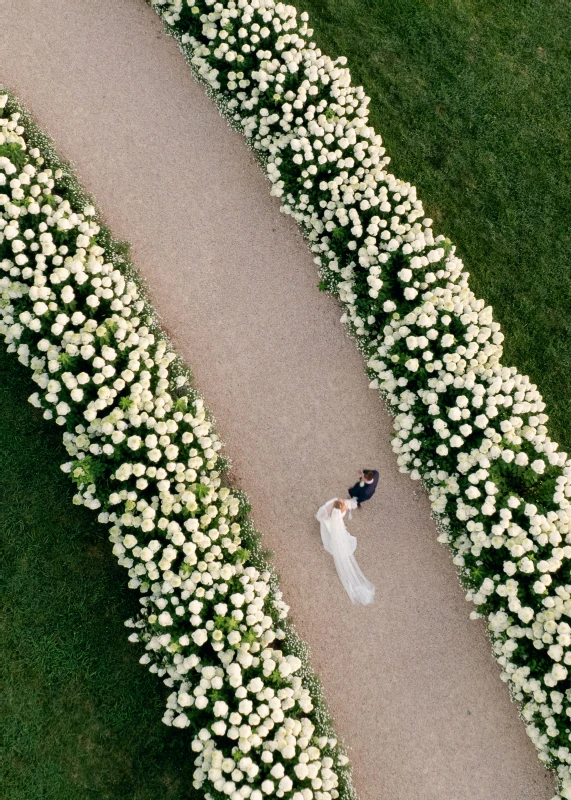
pixel 80 717
pixel 526 484
pixel 472 101
pixel 87 470
pixel 14 152
pixel 249 636
pixel 241 555
pixel 122 250
pixel 68 362
pixel 201 490
pixel 226 624
pixel 181 404
pixel 275 680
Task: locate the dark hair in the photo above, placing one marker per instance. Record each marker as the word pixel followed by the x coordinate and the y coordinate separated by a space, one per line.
pixel 368 475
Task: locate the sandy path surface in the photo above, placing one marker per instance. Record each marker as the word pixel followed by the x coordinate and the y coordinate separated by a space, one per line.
pixel 411 681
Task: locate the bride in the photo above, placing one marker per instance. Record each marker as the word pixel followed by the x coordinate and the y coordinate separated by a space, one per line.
pixel 341 545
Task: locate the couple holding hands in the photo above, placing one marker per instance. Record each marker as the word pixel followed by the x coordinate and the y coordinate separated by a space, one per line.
pixel 338 541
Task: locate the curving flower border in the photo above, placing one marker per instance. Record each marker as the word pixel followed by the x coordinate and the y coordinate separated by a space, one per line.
pixel 145 456
pixel 472 430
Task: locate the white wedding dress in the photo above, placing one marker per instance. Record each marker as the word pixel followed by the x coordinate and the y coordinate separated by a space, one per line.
pixel 341 545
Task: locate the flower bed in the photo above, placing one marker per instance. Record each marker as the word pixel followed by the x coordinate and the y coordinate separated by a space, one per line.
pixel 144 454
pixel 470 428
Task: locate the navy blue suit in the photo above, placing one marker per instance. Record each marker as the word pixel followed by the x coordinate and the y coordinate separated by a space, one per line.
pixel 365 492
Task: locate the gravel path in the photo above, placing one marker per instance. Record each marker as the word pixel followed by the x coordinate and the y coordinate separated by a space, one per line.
pixel 410 680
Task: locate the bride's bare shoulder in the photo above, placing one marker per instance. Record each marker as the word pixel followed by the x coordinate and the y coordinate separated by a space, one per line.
pixel 326 507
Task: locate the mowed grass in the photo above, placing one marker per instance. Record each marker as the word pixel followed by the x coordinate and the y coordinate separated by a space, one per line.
pixel 80 717
pixel 473 100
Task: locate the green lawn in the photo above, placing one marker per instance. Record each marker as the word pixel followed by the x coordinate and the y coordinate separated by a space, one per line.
pixel 473 100
pixel 80 717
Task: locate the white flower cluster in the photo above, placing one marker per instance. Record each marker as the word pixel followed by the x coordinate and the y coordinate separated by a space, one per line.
pixel 471 429
pixel 145 455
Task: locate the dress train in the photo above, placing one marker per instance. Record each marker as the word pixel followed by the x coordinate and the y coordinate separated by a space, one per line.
pixel 341 545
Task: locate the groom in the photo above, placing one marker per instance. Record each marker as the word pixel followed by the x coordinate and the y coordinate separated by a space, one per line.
pixel 364 489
